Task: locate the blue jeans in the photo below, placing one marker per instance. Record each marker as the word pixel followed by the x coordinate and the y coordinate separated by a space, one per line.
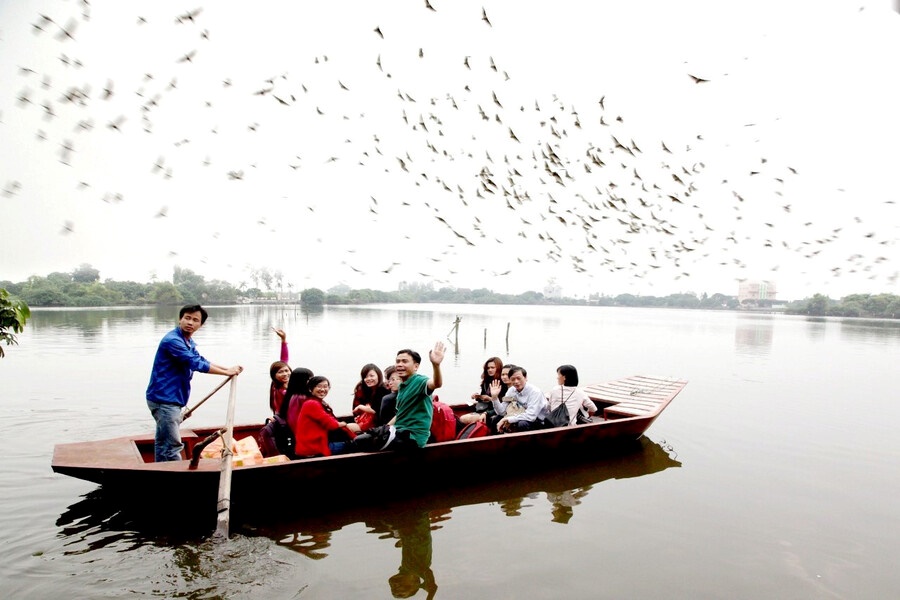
pixel 167 444
pixel 339 447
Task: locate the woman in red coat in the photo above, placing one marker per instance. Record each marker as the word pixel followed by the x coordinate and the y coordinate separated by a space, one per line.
pixel 316 420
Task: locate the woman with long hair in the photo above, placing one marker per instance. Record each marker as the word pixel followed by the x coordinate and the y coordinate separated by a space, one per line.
pixel 295 395
pixel 484 408
pixel 491 371
pixel 279 373
pixel 367 396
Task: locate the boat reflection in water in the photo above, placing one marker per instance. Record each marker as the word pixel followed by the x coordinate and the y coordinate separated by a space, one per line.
pixel 98 523
pixel 411 522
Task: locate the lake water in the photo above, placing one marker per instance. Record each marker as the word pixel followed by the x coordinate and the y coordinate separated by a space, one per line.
pixel 774 474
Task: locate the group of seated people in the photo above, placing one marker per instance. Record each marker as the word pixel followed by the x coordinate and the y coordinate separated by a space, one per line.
pixel 508 403
pixel 505 402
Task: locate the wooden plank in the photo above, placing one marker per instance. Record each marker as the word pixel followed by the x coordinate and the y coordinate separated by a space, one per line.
pixel 615 399
pixel 620 410
pixel 635 406
pixel 660 392
pixel 643 389
pixel 639 403
pixel 635 396
pixel 607 392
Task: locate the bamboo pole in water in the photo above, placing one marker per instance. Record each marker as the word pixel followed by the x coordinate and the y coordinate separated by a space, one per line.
pixel 455 327
pixel 223 507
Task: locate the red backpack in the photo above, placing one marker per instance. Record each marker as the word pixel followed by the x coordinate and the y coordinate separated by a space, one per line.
pixel 473 430
pixel 443 422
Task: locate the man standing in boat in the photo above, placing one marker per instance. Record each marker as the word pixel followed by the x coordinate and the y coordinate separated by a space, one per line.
pixel 170 380
pixel 412 423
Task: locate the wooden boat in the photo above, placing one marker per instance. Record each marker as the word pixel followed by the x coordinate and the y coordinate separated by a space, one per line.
pixel 296 529
pixel 124 466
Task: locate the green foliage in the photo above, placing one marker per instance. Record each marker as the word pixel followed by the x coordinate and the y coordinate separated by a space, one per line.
pixel 531 297
pixel 164 292
pixel 265 277
pixel 83 288
pixel 878 306
pixel 48 298
pixel 60 279
pixel 716 301
pixel 13 314
pixel 194 289
pixel 312 297
pixel 85 274
pixel 627 300
pixel 684 301
pixel 12 288
pixel 129 292
pixel 341 289
pixel 817 306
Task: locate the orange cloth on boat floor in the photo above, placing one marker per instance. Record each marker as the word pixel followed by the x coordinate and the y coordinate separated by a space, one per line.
pixel 244 451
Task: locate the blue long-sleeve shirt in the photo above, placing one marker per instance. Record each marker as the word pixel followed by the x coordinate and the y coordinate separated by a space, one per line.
pixel 176 360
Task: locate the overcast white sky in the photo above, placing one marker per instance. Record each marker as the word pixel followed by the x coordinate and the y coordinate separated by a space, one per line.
pixel 292 136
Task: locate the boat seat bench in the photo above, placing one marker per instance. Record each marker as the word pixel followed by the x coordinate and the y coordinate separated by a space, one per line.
pixel 631 397
pixel 619 411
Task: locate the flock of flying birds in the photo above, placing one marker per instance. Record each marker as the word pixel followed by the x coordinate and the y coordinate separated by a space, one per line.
pixel 532 178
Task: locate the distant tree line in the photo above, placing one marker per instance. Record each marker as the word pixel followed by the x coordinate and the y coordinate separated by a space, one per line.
pixel 82 287
pixel 881 306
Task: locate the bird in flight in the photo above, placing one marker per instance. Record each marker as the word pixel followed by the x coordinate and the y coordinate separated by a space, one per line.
pixel 11 189
pixel 67 31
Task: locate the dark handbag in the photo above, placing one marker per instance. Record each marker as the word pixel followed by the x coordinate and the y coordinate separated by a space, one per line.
pixel 559 416
pixel 483 407
pixel 373 440
pixel 341 434
pixel 582 418
pixel 276 437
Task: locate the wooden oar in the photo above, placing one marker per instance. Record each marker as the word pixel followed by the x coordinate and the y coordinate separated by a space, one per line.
pixel 223 507
pixel 199 448
pixel 190 411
